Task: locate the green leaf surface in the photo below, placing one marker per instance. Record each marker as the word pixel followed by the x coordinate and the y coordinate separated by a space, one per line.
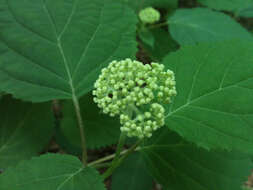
pixel 100 129
pixel 147 37
pixel 51 172
pixel 162 46
pixel 25 130
pixel 213 107
pixel 55 49
pixel 132 175
pixel 178 165
pixel 239 7
pixel 247 12
pixel 137 5
pixel 191 26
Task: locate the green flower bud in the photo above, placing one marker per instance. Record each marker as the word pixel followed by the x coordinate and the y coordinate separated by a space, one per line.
pixel 149 15
pixel 135 92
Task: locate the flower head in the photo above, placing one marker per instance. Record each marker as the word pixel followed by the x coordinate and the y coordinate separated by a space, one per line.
pixel 149 15
pixel 135 92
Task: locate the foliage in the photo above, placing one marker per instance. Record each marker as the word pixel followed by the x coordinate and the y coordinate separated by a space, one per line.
pixel 238 7
pixel 63 42
pixel 190 26
pixel 214 84
pixel 180 165
pixel 68 137
pixel 51 55
pixel 134 170
pixel 22 133
pixel 51 172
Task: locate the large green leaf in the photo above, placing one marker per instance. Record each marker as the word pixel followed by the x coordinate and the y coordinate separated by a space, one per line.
pixel 25 130
pixel 51 172
pixel 54 49
pixel 190 26
pixel 239 7
pixel 215 91
pixel 132 175
pixel 178 165
pixel 101 129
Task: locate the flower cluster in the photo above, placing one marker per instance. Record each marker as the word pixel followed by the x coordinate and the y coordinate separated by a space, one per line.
pixel 135 92
pixel 149 15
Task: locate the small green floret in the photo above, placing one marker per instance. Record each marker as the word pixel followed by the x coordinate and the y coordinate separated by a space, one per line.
pixel 149 15
pixel 135 92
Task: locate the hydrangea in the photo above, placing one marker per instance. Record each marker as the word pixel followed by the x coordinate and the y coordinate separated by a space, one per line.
pixel 136 92
pixel 149 15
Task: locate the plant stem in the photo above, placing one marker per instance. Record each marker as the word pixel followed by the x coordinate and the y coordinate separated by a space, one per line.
pixel 120 145
pixel 106 158
pixel 158 25
pixel 118 161
pixel 103 165
pixel 130 150
pixel 81 128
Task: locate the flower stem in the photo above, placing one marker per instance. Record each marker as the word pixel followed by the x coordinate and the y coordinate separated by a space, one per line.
pixel 120 145
pixel 81 128
pixel 119 160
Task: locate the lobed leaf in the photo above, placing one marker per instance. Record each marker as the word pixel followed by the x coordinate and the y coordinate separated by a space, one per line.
pixel 25 130
pixel 55 49
pixel 51 172
pixel 215 90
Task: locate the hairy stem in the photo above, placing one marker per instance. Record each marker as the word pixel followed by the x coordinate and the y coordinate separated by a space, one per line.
pixel 81 128
pixel 117 162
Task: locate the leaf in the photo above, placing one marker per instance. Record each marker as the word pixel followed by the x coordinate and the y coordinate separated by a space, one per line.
pixel 51 172
pixel 191 26
pixel 102 130
pixel 215 90
pixel 240 8
pixel 247 12
pixel 25 130
pixel 56 49
pixel 179 165
pixel 141 4
pixel 132 175
pixel 147 37
pixel 162 46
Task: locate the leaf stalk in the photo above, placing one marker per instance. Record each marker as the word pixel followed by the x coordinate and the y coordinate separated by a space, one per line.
pixel 81 128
